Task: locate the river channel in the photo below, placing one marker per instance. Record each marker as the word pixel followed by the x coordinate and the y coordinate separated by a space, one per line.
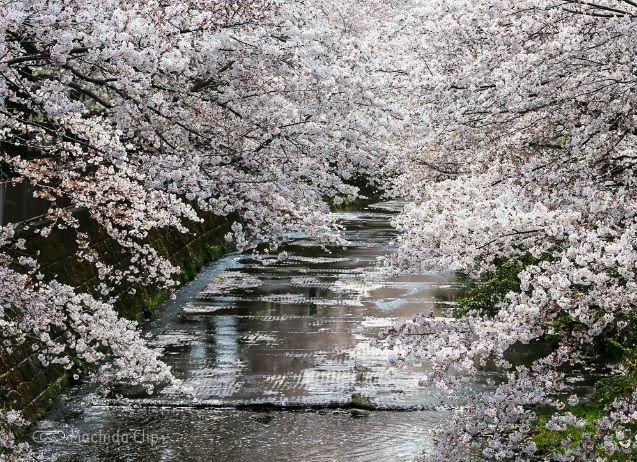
pixel 275 352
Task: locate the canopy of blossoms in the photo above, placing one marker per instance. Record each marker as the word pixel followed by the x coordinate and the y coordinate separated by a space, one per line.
pixel 149 114
pixel 510 127
pixel 530 155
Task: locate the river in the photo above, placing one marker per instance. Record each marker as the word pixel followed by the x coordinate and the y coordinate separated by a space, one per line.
pixel 274 351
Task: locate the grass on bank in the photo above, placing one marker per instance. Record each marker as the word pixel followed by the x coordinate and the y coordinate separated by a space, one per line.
pixel 606 391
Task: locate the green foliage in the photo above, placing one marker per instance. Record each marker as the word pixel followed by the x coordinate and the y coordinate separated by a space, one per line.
pixel 190 266
pixel 610 388
pixel 613 345
pixel 45 401
pixel 346 204
pixel 485 294
pixel 193 262
pixel 548 441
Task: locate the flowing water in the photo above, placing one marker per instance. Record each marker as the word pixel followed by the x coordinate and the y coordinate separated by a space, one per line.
pixel 275 351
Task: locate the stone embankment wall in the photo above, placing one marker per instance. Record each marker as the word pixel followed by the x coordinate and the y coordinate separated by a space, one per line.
pixel 28 386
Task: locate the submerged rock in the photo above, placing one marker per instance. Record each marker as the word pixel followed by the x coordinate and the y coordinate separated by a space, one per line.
pixel 262 418
pixel 359 412
pixel 361 402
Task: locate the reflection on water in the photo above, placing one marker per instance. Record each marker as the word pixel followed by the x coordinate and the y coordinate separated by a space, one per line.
pixel 290 333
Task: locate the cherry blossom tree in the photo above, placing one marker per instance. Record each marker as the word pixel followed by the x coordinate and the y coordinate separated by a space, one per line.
pixel 147 115
pixel 529 154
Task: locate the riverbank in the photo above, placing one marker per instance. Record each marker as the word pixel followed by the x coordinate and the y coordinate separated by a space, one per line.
pixel 609 375
pixel 27 386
